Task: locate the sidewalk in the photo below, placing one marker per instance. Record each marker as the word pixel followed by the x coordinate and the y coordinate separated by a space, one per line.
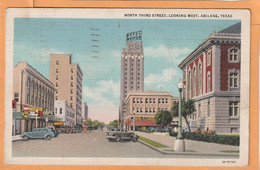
pixel 191 146
pixel 16 138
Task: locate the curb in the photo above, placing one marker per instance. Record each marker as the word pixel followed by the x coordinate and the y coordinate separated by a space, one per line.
pixel 187 153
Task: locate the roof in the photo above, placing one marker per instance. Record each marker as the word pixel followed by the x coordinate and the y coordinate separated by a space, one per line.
pixel 138 122
pixel 233 29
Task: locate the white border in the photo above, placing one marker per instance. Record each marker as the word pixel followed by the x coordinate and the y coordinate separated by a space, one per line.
pixel 243 15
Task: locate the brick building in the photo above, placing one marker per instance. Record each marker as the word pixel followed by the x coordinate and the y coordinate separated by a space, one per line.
pixel 144 105
pixel 211 75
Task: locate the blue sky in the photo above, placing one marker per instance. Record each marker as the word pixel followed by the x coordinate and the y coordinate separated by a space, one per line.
pixel 166 43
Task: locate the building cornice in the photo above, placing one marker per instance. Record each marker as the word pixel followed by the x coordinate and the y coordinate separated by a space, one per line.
pixel 37 74
pixel 213 39
pixel 217 94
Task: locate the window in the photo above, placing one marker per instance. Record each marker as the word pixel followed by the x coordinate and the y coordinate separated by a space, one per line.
pixel 71 84
pixel 146 110
pixel 57 70
pixel 233 55
pixel 71 91
pixel 57 77
pixel 16 97
pixel 133 100
pixel 233 80
pixel 166 100
pixel 189 86
pixel 141 100
pixel 71 77
pixel 184 74
pixel 71 97
pixel 159 100
pixel 71 105
pixel 71 70
pixel 146 100
pixel 199 110
pixel 194 78
pixel 153 110
pixel 153 100
pixel 233 109
pixel 57 84
pixel 208 82
pixel 137 100
pixel 56 91
pixel 150 100
pixel 150 110
pixel 57 63
pixel 209 58
pixel 208 109
pixel 200 80
pixel 55 110
pixel 137 110
pixel 233 130
pixel 60 110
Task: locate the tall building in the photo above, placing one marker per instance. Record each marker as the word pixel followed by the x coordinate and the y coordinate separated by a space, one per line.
pixel 67 78
pixel 132 69
pixel 84 111
pixel 144 105
pixel 211 75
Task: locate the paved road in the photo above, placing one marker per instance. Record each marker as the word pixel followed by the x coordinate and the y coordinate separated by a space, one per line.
pixel 86 144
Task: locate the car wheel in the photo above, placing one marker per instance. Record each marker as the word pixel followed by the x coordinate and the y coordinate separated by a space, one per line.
pixel 118 139
pixel 48 137
pixel 25 138
pixel 135 139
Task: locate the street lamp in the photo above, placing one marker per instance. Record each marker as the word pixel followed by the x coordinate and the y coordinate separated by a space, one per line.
pixel 134 120
pixel 179 142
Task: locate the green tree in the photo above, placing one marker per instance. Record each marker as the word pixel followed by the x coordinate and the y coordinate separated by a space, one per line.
pixel 187 108
pixel 163 117
pixel 114 123
pixel 96 123
pixel 89 122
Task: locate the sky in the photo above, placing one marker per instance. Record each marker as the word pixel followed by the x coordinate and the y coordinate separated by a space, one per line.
pixel 96 44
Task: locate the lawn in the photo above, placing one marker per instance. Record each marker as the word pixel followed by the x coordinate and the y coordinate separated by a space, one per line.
pixel 152 143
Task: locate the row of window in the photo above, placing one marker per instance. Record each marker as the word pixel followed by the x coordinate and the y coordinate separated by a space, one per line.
pixel 147 110
pixel 233 110
pixel 38 95
pixel 150 100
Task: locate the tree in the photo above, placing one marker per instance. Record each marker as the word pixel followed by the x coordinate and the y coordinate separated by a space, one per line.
pixel 89 122
pixel 114 123
pixel 163 117
pixel 187 108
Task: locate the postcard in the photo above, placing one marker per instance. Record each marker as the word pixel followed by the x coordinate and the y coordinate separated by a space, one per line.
pixel 138 87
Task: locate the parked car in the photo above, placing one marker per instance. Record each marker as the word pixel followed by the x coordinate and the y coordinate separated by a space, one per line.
pixel 38 133
pixel 121 134
pixel 66 129
pixel 56 133
pixel 77 128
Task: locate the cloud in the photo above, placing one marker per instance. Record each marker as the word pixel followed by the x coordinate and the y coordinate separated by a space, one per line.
pixel 102 100
pixel 43 54
pixel 165 76
pixel 175 55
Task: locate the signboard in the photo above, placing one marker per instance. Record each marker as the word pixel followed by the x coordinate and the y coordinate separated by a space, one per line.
pixel 134 36
pixel 58 123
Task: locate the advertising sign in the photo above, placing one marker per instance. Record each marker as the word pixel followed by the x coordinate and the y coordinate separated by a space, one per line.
pixel 134 36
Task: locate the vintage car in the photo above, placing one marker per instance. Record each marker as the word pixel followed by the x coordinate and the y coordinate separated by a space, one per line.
pixel 38 133
pixel 77 128
pixel 121 134
pixel 66 129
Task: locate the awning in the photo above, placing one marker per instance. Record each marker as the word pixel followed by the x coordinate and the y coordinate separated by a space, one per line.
pixel 139 122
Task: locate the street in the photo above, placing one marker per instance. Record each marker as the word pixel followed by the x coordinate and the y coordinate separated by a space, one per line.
pixel 89 144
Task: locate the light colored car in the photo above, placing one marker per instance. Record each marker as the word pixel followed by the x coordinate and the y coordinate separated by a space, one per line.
pixel 38 133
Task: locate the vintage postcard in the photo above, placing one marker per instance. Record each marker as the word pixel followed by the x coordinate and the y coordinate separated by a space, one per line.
pixel 138 87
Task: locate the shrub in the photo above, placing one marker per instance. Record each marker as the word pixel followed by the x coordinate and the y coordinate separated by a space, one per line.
pixel 209 137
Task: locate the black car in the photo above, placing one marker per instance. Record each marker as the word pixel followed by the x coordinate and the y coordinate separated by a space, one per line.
pixel 77 128
pixel 121 134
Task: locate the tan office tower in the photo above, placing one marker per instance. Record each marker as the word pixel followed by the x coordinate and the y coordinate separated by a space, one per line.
pixel 132 69
pixel 67 78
